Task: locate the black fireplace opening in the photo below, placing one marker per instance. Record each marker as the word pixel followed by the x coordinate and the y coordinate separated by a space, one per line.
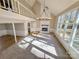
pixel 44 29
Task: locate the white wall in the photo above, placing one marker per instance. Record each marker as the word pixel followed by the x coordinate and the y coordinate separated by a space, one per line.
pixel 20 31
pixel 7 29
pixel 45 22
pixel 2 30
pixel 36 26
pixel 19 27
pixel 33 26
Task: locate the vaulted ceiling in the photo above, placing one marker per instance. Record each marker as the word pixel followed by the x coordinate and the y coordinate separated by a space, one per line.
pixel 58 6
pixel 30 2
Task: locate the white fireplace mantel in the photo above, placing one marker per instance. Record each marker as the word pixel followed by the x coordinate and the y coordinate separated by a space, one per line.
pixel 44 24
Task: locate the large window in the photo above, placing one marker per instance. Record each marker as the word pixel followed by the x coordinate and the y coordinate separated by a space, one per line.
pixel 68 28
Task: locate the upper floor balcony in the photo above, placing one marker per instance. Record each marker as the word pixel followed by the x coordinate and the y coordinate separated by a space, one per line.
pixel 17 6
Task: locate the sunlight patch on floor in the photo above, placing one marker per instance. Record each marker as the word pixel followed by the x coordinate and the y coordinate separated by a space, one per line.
pixel 43 36
pixel 40 44
pixel 22 44
pixel 40 54
pixel 29 39
pixel 45 47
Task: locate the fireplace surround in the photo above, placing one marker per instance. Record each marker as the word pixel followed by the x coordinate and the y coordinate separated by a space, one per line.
pixel 44 26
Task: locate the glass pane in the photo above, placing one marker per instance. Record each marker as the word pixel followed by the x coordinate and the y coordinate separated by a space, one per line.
pixel 58 26
pixel 69 23
pixel 68 27
pixel 61 29
pixel 76 40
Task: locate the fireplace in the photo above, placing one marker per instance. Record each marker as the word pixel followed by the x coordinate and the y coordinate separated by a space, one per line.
pixel 44 29
pixel 44 26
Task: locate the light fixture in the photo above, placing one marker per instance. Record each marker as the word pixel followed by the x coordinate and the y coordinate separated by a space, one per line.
pixel 45 14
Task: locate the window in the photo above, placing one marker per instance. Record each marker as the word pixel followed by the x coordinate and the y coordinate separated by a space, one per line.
pixel 68 28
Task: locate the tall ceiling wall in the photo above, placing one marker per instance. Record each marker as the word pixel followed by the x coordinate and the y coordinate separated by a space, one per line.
pixel 31 2
pixel 36 8
pixel 58 6
pixel 25 7
pixel 75 5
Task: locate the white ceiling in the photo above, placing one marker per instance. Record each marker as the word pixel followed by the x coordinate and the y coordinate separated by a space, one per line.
pixel 58 6
pixel 30 2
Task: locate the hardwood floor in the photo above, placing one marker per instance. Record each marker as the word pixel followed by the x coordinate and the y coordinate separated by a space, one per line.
pixel 6 41
pixel 15 51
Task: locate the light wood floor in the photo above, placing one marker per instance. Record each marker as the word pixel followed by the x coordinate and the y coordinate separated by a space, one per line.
pixel 6 41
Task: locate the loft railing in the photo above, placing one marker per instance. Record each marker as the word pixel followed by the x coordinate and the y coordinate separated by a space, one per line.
pixel 6 4
pixel 10 5
pixel 17 6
